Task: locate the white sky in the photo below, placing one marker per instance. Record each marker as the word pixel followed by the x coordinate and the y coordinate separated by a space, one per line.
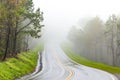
pixel 60 15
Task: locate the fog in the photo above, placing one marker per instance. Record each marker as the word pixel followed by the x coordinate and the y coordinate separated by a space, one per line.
pixel 61 15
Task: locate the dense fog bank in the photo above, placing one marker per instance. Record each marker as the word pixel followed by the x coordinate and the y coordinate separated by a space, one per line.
pixel 98 41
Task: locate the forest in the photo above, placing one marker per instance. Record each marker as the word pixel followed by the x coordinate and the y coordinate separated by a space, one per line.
pixel 98 40
pixel 18 22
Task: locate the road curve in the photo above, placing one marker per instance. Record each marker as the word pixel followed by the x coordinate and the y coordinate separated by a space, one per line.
pixel 57 66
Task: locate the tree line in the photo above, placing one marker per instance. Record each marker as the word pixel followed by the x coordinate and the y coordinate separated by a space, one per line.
pixel 18 21
pixel 98 40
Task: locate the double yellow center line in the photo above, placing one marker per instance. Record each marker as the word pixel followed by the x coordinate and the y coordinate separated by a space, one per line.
pixel 71 72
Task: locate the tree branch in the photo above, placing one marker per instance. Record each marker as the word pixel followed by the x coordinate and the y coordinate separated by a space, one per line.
pixel 23 27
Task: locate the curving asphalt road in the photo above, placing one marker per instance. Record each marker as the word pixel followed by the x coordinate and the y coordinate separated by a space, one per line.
pixel 57 66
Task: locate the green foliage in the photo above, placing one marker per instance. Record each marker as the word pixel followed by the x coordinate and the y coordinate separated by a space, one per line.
pixel 18 21
pixel 86 62
pixel 14 68
pixel 33 20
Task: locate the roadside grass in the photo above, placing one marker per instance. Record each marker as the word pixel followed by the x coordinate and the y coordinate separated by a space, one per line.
pixel 86 62
pixel 14 68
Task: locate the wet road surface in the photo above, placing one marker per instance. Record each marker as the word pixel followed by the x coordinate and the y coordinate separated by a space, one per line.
pixel 57 66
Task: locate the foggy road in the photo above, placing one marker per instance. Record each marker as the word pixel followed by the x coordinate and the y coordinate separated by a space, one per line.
pixel 57 66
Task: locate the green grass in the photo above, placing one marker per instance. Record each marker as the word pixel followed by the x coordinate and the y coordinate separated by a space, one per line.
pixel 83 61
pixel 14 68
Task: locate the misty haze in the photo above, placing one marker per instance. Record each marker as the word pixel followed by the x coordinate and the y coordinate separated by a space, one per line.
pixel 59 40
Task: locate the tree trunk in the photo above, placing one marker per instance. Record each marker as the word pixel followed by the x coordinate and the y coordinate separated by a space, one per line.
pixel 7 42
pixel 15 39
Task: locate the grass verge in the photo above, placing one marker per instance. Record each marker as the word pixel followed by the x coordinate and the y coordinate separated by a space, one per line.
pixel 83 61
pixel 14 68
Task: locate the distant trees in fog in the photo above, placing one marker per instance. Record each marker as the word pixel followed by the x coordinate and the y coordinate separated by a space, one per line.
pixel 98 41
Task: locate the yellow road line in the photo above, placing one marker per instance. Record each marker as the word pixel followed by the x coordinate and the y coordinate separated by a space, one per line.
pixel 71 72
